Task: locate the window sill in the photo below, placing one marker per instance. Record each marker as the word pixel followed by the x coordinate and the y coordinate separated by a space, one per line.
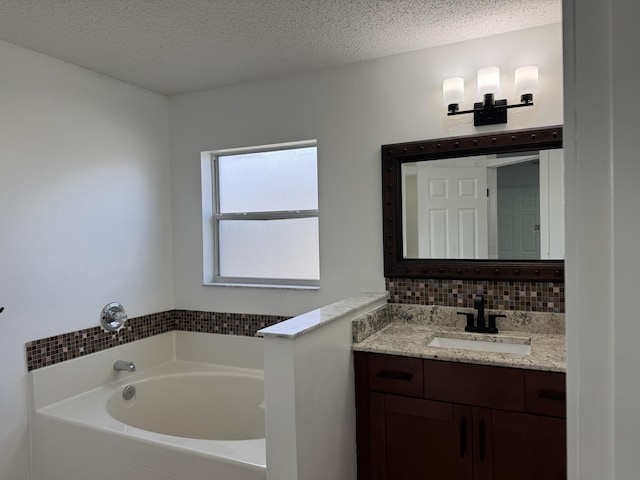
pixel 263 285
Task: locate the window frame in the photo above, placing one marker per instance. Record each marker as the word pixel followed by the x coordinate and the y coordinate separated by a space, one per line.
pixel 211 219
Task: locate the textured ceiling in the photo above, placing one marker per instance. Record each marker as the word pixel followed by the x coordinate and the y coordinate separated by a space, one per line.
pixel 176 46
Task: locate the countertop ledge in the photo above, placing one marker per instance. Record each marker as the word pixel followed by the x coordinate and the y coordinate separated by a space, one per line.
pixel 548 351
pixel 310 321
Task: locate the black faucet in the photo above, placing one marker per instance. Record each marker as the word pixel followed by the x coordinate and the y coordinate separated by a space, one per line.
pixel 478 304
pixel 480 324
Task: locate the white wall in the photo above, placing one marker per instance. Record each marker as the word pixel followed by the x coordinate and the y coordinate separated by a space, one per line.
pixel 85 191
pixel 65 132
pixel 603 228
pixel 310 392
pixel 85 214
pixel 351 111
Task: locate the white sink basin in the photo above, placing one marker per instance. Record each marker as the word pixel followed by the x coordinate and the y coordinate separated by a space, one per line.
pixel 517 345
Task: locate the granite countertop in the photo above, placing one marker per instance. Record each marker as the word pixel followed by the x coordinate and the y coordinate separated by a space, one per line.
pixel 411 339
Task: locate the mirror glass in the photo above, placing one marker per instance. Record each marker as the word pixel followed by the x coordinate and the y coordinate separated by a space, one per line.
pixel 505 206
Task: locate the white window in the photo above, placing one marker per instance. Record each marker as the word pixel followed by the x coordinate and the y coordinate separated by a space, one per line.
pixel 260 216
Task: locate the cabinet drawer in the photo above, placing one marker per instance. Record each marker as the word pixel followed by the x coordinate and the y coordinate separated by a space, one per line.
pixel 545 393
pixel 399 375
pixel 480 385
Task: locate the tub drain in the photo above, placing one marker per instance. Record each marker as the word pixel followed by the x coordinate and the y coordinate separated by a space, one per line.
pixel 128 392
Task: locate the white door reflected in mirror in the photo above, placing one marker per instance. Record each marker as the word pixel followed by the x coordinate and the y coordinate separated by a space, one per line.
pixel 508 206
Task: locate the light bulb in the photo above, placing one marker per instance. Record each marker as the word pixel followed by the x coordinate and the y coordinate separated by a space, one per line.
pixel 488 81
pixel 526 80
pixel 453 91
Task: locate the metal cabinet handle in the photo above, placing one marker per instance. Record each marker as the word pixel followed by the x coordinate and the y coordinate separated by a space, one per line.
pixel 463 436
pixel 552 395
pixel 391 375
pixel 483 441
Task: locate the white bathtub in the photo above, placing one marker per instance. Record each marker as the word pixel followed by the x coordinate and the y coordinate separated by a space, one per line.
pixel 188 420
pixel 204 405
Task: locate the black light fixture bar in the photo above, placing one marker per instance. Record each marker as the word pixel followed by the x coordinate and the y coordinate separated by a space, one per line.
pixel 491 112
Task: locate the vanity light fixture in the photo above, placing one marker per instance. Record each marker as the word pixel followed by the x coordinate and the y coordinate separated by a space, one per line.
pixel 490 111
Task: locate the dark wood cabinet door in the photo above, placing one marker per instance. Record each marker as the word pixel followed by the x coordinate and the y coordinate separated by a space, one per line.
pixel 426 440
pixel 462 422
pixel 528 447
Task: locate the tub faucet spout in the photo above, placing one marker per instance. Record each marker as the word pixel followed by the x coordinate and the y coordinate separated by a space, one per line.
pixel 123 366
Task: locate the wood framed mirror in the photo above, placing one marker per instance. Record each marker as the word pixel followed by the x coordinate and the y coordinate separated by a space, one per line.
pixel 482 241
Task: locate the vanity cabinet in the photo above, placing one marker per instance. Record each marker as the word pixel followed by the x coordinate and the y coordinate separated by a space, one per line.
pixel 430 419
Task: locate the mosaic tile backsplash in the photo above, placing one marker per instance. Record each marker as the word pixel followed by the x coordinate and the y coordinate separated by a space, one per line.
pixel 225 323
pixel 526 296
pixel 52 350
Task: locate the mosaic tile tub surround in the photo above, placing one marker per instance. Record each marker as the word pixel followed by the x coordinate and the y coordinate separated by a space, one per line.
pixel 500 295
pixel 519 297
pixel 52 350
